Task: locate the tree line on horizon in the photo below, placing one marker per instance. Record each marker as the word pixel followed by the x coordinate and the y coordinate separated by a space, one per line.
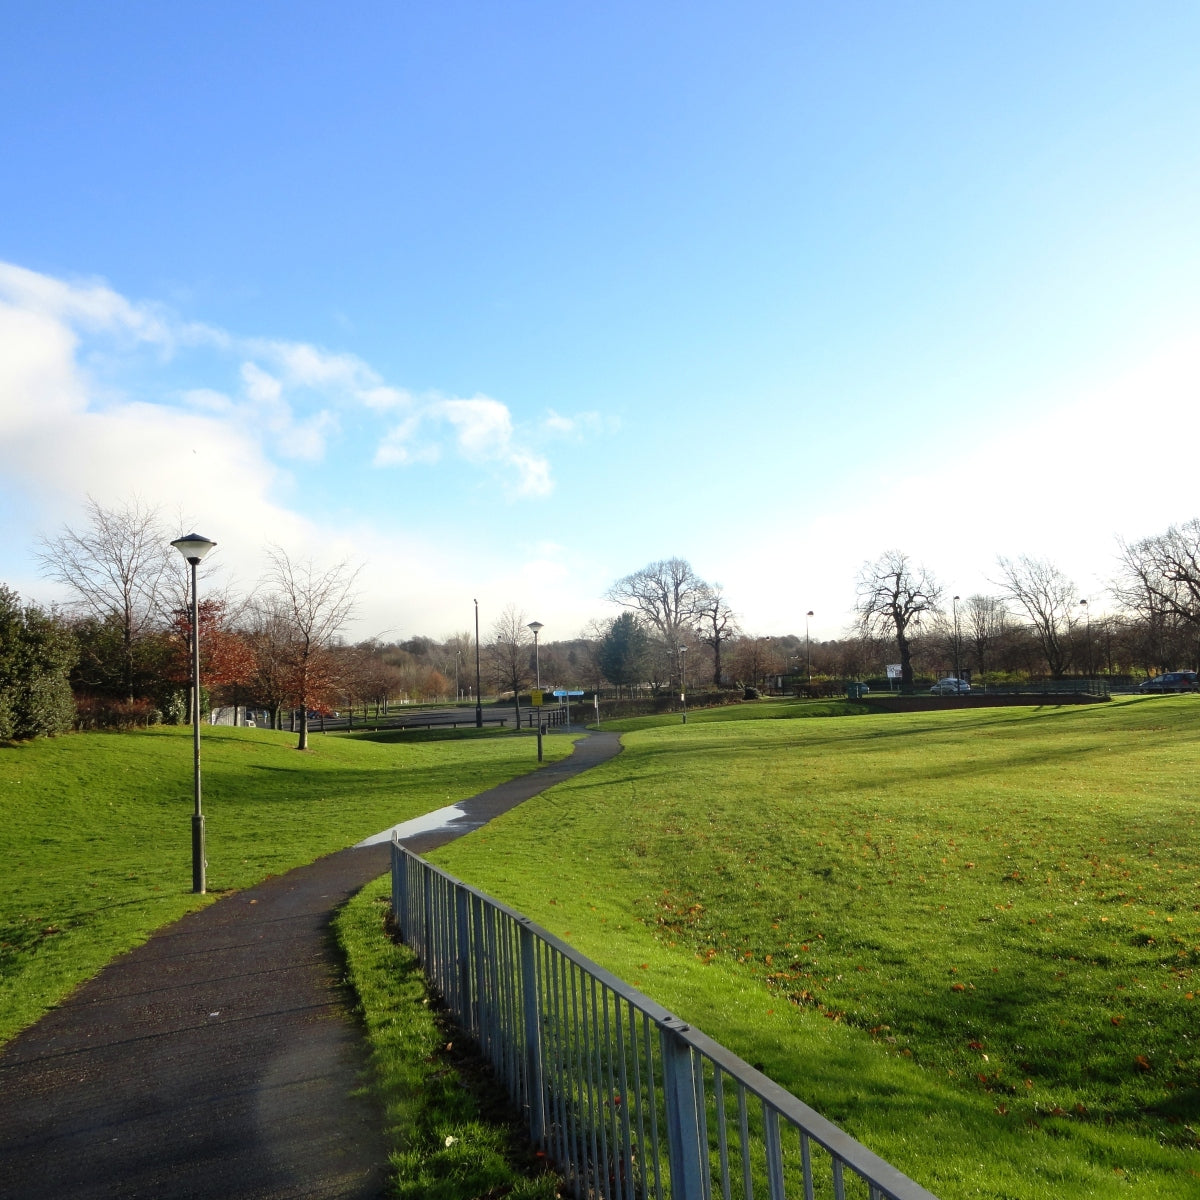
pixel 118 653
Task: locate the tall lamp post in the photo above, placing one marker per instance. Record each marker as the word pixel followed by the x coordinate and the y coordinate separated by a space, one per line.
pixel 957 673
pixel 193 547
pixel 683 680
pixel 537 627
pixel 478 693
pixel 1087 612
pixel 807 649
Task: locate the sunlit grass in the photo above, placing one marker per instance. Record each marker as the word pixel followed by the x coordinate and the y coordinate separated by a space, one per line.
pixel 95 829
pixel 969 937
pixel 750 710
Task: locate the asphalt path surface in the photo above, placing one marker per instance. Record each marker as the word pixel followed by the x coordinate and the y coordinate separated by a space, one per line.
pixel 221 1060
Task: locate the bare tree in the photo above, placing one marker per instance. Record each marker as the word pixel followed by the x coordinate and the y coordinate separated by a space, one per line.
pixel 117 568
pixel 1159 584
pixel 667 594
pixel 717 624
pixel 1049 599
pixel 893 595
pixel 510 653
pixel 754 658
pixel 986 622
pixel 313 606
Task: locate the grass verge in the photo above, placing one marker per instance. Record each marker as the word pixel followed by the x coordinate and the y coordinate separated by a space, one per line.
pixel 95 830
pixel 970 938
pixel 451 1133
pixel 750 710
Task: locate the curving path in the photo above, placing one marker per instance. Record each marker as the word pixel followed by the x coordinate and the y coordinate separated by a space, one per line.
pixel 220 1060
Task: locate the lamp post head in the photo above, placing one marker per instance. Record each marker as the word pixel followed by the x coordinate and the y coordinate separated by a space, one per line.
pixel 536 626
pixel 809 613
pixel 193 547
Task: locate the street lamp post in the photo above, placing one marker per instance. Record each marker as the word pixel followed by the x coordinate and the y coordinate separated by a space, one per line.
pixel 957 672
pixel 193 547
pixel 1087 612
pixel 683 680
pixel 478 693
pixel 807 649
pixel 536 626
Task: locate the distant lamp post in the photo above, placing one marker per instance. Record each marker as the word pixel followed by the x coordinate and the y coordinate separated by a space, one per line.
pixel 193 547
pixel 478 693
pixel 957 672
pixel 1087 612
pixel 537 628
pixel 683 680
pixel 807 649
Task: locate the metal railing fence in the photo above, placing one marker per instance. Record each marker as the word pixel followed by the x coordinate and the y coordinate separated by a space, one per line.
pixel 627 1101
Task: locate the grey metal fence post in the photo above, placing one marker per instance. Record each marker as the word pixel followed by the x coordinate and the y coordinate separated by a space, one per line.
pixel 465 1015
pixel 425 948
pixel 400 887
pixel 535 1087
pixel 685 1152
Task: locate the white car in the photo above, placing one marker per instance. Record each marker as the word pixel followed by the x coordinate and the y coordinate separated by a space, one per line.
pixel 950 687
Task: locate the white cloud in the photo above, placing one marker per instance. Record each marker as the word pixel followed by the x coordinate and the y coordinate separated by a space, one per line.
pixel 288 394
pixel 483 434
pixel 577 426
pixel 80 415
pixel 398 448
pixel 92 306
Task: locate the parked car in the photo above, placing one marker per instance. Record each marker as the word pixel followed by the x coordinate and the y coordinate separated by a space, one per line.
pixel 950 687
pixel 1171 681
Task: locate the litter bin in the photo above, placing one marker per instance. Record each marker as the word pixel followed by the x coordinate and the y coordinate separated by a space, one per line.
pixel 856 691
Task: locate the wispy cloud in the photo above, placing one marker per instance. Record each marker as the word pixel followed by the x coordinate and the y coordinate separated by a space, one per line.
pixel 289 396
pixel 481 431
pixel 576 428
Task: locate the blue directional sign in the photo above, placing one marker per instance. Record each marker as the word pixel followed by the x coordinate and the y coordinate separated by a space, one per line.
pixel 565 692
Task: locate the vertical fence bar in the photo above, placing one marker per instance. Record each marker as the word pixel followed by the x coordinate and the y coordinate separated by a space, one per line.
pixel 655 1143
pixel 806 1164
pixel 722 1132
pixel 400 887
pixel 535 1088
pixel 462 922
pixel 744 1136
pixel 684 1152
pixel 774 1154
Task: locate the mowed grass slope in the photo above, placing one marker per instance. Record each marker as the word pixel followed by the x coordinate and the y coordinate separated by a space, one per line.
pixel 970 938
pixel 95 830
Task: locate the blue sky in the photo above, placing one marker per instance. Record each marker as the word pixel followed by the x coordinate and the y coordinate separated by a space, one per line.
pixel 505 301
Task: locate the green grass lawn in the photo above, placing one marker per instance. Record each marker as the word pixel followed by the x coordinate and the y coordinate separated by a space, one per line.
pixel 95 829
pixel 751 710
pixel 970 938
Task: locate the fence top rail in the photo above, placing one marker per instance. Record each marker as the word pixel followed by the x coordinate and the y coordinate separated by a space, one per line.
pixel 893 1183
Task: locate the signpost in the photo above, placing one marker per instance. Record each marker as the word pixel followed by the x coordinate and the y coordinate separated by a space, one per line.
pixel 567 694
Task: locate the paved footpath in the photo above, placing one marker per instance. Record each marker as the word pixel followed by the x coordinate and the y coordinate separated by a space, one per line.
pixel 220 1060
